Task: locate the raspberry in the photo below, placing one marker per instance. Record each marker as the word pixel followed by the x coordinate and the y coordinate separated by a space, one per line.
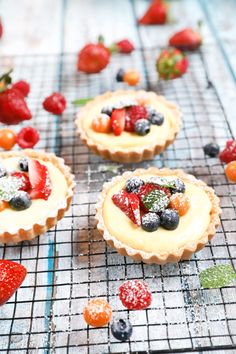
pixel 135 295
pixel 27 137
pixel 22 86
pixel 97 313
pixel 229 152
pixel 134 113
pixel 55 103
pixel 24 179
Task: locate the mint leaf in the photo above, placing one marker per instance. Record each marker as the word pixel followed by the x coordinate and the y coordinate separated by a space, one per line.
pixel 81 101
pixel 217 276
pixel 156 201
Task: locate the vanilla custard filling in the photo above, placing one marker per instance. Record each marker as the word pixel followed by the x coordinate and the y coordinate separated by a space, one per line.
pixel 40 209
pixel 157 134
pixel 191 226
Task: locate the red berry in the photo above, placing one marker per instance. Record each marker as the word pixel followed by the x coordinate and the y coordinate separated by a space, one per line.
pixel 22 86
pixel 40 180
pixel 156 14
pixel 125 46
pixel 24 179
pixel 13 108
pixel 187 39
pixel 133 114
pixel 55 103
pixel 129 204
pixel 97 313
pixel 135 295
pixel 93 58
pixel 171 63
pixel 27 137
pixel 12 275
pixel 118 121
pixel 229 152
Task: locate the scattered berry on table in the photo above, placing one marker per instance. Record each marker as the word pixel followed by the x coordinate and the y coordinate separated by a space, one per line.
pixel 150 222
pixel 230 171
pixel 102 123
pixel 27 137
pixel 55 103
pixel 132 77
pixel 180 203
pixel 93 58
pixel 39 180
pixel 22 86
pixel 121 329
pixel 129 204
pixel 156 118
pixel 135 295
pixel 142 127
pixel 125 46
pixel 133 184
pixel 169 219
pixel 178 186
pixel 156 14
pixel 23 164
pixel 120 75
pixel 20 201
pixel 7 139
pixel 133 114
pixel 229 152
pixel 171 64
pixel 186 39
pixel 155 201
pixel 12 275
pixel 118 121
pixel 211 149
pixel 24 180
pixel 97 313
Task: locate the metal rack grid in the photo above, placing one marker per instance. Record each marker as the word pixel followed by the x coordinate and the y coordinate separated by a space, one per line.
pixel 71 263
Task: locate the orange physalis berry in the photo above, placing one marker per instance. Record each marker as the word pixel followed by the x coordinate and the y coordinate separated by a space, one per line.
pixel 230 171
pixel 131 77
pixel 180 203
pixel 97 313
pixel 3 205
pixel 102 123
pixel 7 139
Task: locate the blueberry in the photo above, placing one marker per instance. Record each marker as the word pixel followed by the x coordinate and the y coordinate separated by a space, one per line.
pixel 150 222
pixel 23 164
pixel 142 127
pixel 169 219
pixel 211 149
pixel 20 201
pixel 3 171
pixel 179 186
pixel 156 118
pixel 121 329
pixel 120 75
pixel 133 184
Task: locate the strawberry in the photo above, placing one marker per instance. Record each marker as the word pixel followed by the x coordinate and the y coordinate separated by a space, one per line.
pixel 93 58
pixel 171 63
pixel 24 179
pixel 118 121
pixel 129 204
pixel 39 180
pixel 133 114
pixel 12 275
pixel 22 86
pixel 229 153
pixel 124 46
pixel 156 14
pixel 187 39
pixel 148 188
pixel 55 103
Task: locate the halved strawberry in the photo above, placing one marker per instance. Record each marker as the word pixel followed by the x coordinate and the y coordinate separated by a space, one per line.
pixel 129 204
pixel 40 180
pixel 118 121
pixel 24 180
pixel 147 188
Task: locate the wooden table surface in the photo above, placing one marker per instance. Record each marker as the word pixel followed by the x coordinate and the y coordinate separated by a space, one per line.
pixel 63 26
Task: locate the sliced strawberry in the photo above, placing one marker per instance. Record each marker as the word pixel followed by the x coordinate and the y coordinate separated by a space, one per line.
pixel 40 180
pixel 129 204
pixel 146 189
pixel 118 121
pixel 24 180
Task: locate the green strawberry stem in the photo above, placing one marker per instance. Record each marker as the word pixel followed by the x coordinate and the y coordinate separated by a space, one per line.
pixel 81 101
pixel 5 80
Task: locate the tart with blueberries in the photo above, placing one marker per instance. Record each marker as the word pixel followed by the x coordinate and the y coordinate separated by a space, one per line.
pixel 36 189
pixel 128 126
pixel 157 215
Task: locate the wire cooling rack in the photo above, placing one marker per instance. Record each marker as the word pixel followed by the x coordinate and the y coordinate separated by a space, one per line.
pixel 71 263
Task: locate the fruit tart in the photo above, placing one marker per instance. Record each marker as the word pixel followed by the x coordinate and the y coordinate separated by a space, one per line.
pixel 128 126
pixel 157 215
pixel 36 189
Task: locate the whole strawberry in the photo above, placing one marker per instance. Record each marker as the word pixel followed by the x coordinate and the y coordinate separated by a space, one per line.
pixel 156 14
pixel 187 39
pixel 12 275
pixel 22 86
pixel 55 103
pixel 93 58
pixel 171 64
pixel 13 107
pixel 124 46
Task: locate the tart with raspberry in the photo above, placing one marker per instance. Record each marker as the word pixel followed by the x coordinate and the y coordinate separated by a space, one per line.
pixel 128 126
pixel 157 215
pixel 36 189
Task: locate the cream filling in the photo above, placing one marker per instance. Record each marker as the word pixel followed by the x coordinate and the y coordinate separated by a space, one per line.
pixel 40 208
pixel 191 226
pixel 157 135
